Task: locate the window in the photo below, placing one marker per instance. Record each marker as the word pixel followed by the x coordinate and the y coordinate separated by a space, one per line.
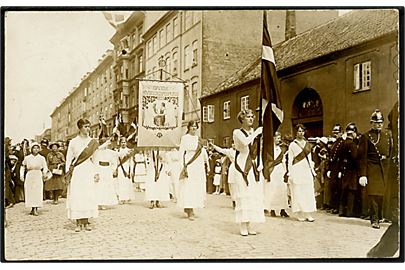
pixel 140 68
pixel 169 35
pixel 176 27
pixel 362 76
pixel 168 66
pixel 134 41
pixel 227 109
pixel 155 44
pixel 205 114
pixel 126 73
pixel 244 103
pixel 208 113
pixel 150 49
pixel 187 62
pixel 175 63
pixel 188 20
pixel 140 33
pixel 162 37
pixel 195 53
pixel 194 95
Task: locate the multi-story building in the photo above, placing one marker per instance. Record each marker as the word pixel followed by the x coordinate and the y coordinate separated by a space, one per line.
pixel 338 72
pixel 128 65
pixel 91 99
pixel 46 134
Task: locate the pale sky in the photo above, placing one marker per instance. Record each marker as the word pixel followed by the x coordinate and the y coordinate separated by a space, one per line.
pixel 46 55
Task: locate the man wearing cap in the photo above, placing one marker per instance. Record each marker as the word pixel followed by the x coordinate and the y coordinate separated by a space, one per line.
pixel 332 185
pixel 347 156
pixel 374 151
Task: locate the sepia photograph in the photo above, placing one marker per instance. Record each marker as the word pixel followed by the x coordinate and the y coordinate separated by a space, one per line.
pixel 194 134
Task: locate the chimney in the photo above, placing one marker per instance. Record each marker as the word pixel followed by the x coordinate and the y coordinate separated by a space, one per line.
pixel 290 25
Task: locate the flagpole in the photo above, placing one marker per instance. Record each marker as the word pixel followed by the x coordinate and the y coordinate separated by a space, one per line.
pixel 260 96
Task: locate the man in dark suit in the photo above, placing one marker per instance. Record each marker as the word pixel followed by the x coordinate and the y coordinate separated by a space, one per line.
pixel 374 152
pixel 347 157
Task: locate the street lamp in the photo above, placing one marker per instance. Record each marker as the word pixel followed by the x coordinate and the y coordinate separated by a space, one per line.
pixel 161 64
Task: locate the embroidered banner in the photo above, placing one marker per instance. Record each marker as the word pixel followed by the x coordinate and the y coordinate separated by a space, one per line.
pixel 160 114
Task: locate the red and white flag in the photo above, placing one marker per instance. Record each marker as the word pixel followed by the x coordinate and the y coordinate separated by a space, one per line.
pixel 271 105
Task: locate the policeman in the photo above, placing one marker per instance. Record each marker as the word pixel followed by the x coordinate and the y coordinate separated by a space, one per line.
pixel 333 183
pixel 373 153
pixel 347 156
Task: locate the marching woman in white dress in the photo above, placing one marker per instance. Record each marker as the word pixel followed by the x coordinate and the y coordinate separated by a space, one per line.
pixel 81 202
pixel 248 180
pixel 192 183
pixel 174 163
pixel 158 189
pixel 124 171
pixel 106 162
pixel 36 167
pixel 301 176
pixel 140 171
pixel 275 189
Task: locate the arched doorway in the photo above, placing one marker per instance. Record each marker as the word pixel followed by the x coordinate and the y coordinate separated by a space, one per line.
pixel 307 110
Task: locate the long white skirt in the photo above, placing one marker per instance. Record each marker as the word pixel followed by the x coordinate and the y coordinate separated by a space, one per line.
pixel 275 195
pixel 33 188
pixel 81 199
pixel 249 199
pixel 158 190
pixel 125 189
pixel 105 188
pixel 303 198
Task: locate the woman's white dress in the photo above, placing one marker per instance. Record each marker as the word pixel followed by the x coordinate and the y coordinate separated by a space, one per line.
pixel 276 191
pixel 105 189
pixel 301 180
pixel 140 170
pixel 125 189
pixel 81 199
pixel 174 167
pixel 192 189
pixel 158 190
pixel 249 198
pixel 33 184
pixel 217 176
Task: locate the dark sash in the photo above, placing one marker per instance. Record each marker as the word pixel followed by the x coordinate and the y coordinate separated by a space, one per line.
pixel 183 173
pixel 249 162
pixel 304 153
pixel 125 159
pixel 277 161
pixel 87 152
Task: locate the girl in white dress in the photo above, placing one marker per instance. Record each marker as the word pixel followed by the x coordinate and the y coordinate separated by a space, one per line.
pixel 248 180
pixel 192 183
pixel 124 173
pixel 158 190
pixel 217 176
pixel 36 167
pixel 301 176
pixel 276 190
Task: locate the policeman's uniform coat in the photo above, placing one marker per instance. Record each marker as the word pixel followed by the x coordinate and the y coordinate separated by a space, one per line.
pixel 373 154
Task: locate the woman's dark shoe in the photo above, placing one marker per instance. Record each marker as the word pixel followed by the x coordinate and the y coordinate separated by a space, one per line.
pixel 283 213
pixel 157 204
pixel 152 205
pixel 272 213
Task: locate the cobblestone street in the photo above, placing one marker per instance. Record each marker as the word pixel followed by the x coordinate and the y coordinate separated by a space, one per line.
pixel 133 231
